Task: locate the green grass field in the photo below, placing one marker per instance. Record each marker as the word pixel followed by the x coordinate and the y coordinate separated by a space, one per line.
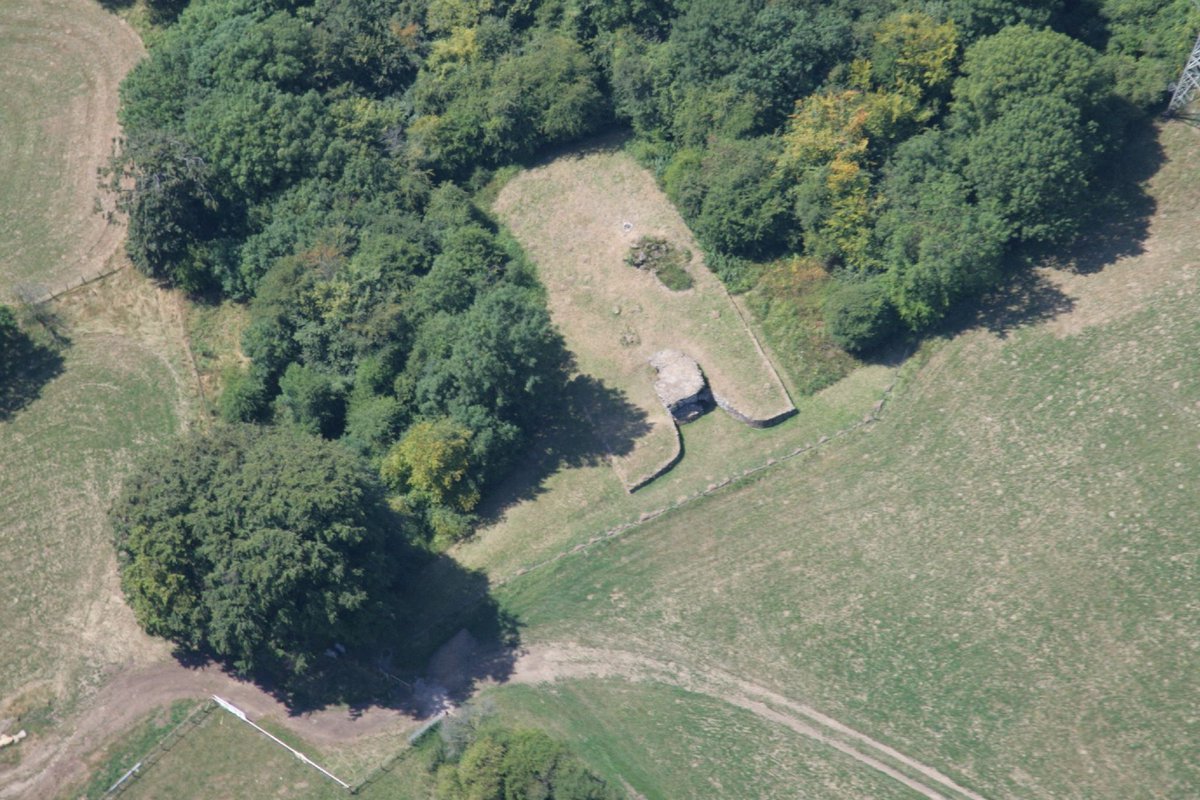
pixel 539 513
pixel 123 382
pixel 123 386
pixel 998 579
pixel 60 64
pixel 225 758
pixel 668 743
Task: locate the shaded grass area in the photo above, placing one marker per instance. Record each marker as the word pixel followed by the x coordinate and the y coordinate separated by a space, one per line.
pixel 666 743
pixel 998 579
pixel 30 357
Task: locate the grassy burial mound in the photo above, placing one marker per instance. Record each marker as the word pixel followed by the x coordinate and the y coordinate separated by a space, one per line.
pixel 60 64
pixel 579 217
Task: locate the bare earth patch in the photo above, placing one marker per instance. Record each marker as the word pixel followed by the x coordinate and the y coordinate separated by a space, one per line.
pixel 577 217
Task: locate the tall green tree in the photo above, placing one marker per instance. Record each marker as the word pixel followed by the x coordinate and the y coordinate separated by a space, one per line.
pixel 260 547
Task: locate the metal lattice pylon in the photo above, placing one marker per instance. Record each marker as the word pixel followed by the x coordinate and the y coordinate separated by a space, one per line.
pixel 1189 83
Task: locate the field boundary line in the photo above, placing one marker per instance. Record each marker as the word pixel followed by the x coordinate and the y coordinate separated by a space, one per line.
pixel 401 754
pixel 237 712
pixel 185 337
pixel 188 724
pixel 762 352
pixel 56 292
pixel 79 282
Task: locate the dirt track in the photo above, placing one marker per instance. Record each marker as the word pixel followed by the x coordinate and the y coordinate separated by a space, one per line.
pixel 51 764
pixel 551 662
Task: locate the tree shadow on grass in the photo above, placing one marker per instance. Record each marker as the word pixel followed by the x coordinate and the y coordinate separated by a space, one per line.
pixel 1118 229
pixel 593 421
pixel 437 606
pixel 1119 226
pixel 1028 297
pixel 27 364
pixel 605 141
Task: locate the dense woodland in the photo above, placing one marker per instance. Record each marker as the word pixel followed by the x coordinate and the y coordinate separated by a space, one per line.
pixel 318 161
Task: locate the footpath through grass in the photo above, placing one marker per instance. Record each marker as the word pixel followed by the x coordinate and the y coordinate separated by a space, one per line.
pixel 667 743
pixel 998 580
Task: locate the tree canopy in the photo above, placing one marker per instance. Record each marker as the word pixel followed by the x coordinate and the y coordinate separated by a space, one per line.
pixel 500 764
pixel 260 547
pixel 317 160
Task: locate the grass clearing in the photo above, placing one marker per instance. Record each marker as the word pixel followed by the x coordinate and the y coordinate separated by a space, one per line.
pixel 123 382
pixel 577 217
pixel 60 64
pixel 225 757
pixel 998 579
pixel 214 333
pixel 667 743
pixel 787 304
pixel 541 511
pixel 124 386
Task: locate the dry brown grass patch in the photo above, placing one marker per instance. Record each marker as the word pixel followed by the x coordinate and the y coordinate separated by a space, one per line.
pixel 577 217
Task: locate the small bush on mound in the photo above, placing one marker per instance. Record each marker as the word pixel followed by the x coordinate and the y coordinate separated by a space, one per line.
pixel 480 759
pixel 860 316
pixel 664 259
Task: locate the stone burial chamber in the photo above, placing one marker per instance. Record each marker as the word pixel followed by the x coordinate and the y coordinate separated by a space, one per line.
pixel 680 385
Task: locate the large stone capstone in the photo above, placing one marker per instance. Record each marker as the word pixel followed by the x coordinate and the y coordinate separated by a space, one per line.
pixel 680 385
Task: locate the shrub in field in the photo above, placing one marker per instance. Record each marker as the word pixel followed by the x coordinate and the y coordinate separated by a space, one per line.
pixel 243 397
pixel 664 259
pixel 859 316
pixel 501 764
